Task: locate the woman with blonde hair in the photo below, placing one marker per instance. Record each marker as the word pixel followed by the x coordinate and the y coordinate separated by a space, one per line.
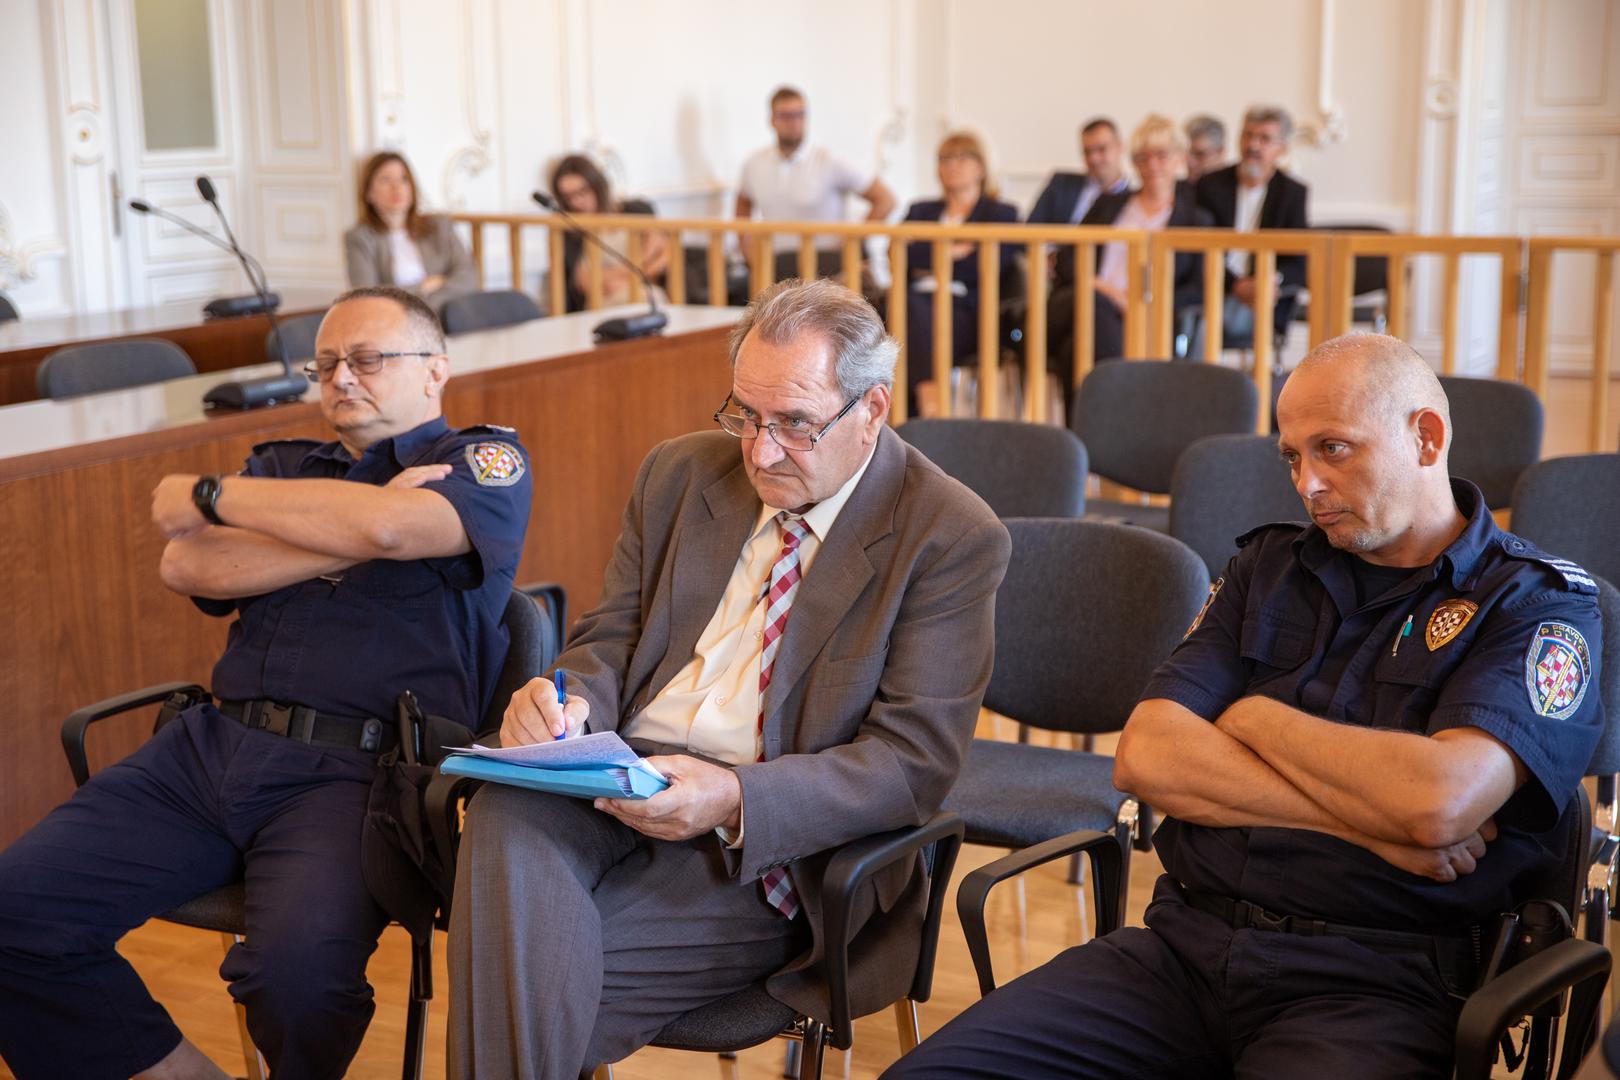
pixel 968 195
pixel 394 244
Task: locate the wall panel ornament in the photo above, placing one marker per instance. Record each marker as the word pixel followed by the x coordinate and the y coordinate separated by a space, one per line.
pixel 17 258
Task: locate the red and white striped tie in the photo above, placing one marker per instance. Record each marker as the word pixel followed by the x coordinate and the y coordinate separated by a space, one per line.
pixel 779 594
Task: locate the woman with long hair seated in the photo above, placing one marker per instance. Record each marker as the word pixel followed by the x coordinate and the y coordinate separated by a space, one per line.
pixel 582 188
pixel 393 244
pixel 968 195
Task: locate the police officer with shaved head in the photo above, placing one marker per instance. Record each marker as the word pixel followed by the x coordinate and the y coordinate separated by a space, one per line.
pixel 378 562
pixel 1375 727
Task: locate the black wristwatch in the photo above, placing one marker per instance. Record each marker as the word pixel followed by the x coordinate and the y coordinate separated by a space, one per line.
pixel 204 494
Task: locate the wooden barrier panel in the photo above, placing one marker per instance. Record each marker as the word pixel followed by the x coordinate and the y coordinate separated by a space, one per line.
pixel 1536 362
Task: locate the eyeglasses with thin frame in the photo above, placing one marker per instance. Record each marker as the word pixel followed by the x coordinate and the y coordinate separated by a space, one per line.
pixel 361 362
pixel 788 438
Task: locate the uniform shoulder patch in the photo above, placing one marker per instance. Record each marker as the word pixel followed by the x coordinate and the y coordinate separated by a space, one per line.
pixel 495 464
pixel 1557 667
pixel 1576 579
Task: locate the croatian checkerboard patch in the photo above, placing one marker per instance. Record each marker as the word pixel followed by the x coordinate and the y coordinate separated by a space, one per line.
pixel 495 464
pixel 1556 670
pixel 1448 620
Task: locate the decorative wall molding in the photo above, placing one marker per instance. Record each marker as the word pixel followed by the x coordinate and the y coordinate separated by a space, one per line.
pixel 18 258
pixel 1328 126
pixel 471 159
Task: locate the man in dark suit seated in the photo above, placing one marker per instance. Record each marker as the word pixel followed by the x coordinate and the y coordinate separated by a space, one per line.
pixel 801 633
pixel 1256 194
pixel 1372 733
pixel 1068 195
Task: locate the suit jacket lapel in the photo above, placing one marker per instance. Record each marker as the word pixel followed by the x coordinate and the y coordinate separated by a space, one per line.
pixel 837 576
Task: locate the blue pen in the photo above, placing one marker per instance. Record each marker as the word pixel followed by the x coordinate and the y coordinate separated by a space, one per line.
pixel 561 679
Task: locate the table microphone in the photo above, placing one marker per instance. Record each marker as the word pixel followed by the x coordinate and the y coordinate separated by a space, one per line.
pixel 624 327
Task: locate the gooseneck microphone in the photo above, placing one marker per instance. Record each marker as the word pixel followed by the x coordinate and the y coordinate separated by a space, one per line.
pixel 624 327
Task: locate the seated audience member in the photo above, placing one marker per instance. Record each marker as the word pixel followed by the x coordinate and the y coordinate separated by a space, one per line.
pixel 580 930
pixel 797 181
pixel 1206 146
pixel 1378 720
pixel 358 568
pixel 582 188
pixel 395 245
pixel 1256 194
pixel 969 195
pixel 1161 202
pixel 1069 195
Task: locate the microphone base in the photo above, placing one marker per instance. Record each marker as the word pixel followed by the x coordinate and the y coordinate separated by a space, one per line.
pixel 256 393
pixel 230 307
pixel 632 326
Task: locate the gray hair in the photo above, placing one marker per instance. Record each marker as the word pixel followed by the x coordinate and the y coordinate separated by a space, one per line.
pixel 1271 114
pixel 863 353
pixel 1205 126
pixel 420 321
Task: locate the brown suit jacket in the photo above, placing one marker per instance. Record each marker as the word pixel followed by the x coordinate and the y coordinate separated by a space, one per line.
pixel 878 678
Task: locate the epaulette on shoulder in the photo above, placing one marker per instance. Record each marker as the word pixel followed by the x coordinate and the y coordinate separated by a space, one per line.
pixel 1574 575
pixel 486 429
pixel 1293 527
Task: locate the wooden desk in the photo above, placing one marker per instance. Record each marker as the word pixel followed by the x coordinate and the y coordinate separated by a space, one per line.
pixel 215 345
pixel 85 615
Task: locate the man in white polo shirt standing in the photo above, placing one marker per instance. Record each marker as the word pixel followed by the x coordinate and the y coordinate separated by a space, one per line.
pixel 794 181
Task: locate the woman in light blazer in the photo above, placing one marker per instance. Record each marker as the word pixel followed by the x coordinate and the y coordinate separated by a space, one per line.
pixel 394 245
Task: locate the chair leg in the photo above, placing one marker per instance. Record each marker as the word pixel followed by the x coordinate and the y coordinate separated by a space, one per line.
pixel 812 1049
pixel 603 1072
pixel 416 1014
pixel 257 1067
pixel 792 1059
pixel 728 1066
pixel 908 1023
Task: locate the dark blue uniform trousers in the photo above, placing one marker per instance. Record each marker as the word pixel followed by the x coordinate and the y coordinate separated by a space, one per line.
pixel 1192 998
pixel 203 802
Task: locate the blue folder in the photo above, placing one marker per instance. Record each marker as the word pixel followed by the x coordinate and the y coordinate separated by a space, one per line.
pixel 591 782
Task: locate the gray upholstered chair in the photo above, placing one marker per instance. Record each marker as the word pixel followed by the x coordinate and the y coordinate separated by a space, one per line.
pixel 534 645
pixel 488 310
pixel 298 334
pixel 1605 766
pixel 1497 429
pixel 110 365
pixel 1137 416
pixel 8 310
pixel 1019 469
pixel 1086 612
pixel 1570 506
pixel 1225 485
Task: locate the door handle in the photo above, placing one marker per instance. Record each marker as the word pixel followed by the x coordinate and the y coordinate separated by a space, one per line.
pixel 117 205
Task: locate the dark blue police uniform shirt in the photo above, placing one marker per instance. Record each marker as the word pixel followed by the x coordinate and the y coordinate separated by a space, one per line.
pixel 351 643
pixel 1284 623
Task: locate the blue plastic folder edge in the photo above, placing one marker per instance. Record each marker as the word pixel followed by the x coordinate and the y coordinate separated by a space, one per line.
pixel 589 783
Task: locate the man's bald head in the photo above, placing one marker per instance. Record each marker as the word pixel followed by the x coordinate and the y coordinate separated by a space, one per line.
pixel 1376 376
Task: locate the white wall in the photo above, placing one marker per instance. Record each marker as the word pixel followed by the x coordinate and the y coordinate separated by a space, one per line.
pixel 34 268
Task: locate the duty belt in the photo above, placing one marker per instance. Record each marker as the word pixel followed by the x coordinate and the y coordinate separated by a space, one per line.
pixel 309 726
pixel 1456 958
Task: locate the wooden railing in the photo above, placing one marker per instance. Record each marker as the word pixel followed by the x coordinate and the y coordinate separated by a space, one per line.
pixel 1149 318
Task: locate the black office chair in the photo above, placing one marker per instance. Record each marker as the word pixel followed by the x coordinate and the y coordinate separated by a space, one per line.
pixel 1571 506
pixel 1085 613
pixel 8 310
pixel 1497 433
pixel 1018 469
pixel 533 648
pixel 1564 981
pixel 1136 417
pixel 297 335
pixel 1225 485
pixel 488 310
pixel 110 365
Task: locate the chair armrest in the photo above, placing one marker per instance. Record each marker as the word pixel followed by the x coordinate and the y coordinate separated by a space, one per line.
pixel 1573 964
pixel 442 803
pixel 1100 847
pixel 853 865
pixel 79 721
pixel 555 598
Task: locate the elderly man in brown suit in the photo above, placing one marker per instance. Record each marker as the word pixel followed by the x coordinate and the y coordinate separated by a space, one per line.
pixel 802 633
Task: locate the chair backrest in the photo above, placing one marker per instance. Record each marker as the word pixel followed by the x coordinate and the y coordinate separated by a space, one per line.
pixel 111 365
pixel 532 650
pixel 1371 272
pixel 1606 756
pixel 1018 469
pixel 1137 416
pixel 1224 486
pixel 1086 612
pixel 1570 506
pixel 297 334
pixel 1497 433
pixel 487 310
pixel 8 310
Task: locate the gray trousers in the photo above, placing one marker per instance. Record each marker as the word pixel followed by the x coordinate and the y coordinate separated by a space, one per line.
pixel 575 939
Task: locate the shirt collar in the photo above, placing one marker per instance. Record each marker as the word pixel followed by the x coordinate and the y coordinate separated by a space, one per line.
pixel 404 447
pixel 1462 558
pixel 821 516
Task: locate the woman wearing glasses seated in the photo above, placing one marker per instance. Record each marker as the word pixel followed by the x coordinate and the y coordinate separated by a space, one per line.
pixel 393 244
pixel 969 196
pixel 582 188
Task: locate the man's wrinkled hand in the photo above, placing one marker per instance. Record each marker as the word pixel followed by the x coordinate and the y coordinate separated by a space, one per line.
pixel 534 716
pixel 700 798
